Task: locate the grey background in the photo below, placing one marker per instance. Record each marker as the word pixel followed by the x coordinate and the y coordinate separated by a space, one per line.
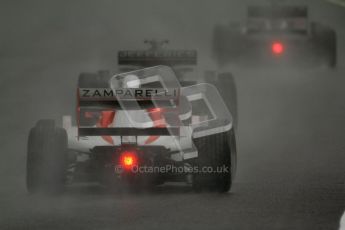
pixel 291 127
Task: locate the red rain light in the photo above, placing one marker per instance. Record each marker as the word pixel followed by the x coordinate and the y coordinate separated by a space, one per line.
pixel 155 110
pixel 277 48
pixel 128 160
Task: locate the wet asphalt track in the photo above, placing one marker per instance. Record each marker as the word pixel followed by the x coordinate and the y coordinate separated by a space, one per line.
pixel 291 129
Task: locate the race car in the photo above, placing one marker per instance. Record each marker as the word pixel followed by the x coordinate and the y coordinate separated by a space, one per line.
pixel 185 66
pixel 136 130
pixel 276 34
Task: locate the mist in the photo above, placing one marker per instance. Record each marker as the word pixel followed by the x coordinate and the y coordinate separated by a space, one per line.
pixel 291 120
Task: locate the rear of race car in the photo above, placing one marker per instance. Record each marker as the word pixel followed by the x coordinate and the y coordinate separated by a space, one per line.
pixel 140 131
pixel 132 124
pixel 276 35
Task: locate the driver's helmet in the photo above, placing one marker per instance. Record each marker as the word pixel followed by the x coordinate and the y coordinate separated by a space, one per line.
pixel 129 81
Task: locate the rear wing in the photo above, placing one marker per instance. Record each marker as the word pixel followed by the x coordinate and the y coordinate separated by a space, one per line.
pixel 98 99
pixel 157 57
pixel 95 103
pixel 151 102
pixel 141 95
pixel 277 11
pixel 287 19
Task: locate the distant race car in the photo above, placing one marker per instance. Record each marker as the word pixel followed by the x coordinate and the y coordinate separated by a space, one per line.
pixel 136 130
pixel 276 34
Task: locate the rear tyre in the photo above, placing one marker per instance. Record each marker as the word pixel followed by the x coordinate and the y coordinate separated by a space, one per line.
pixel 46 158
pixel 225 83
pixel 326 39
pixel 332 47
pixel 227 88
pixel 216 153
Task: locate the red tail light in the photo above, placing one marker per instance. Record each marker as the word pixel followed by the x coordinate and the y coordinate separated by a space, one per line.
pixel 155 110
pixel 128 160
pixel 277 48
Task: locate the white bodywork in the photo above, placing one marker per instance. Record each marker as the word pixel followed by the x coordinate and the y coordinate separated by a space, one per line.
pixel 86 143
pixel 213 116
pixel 342 222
